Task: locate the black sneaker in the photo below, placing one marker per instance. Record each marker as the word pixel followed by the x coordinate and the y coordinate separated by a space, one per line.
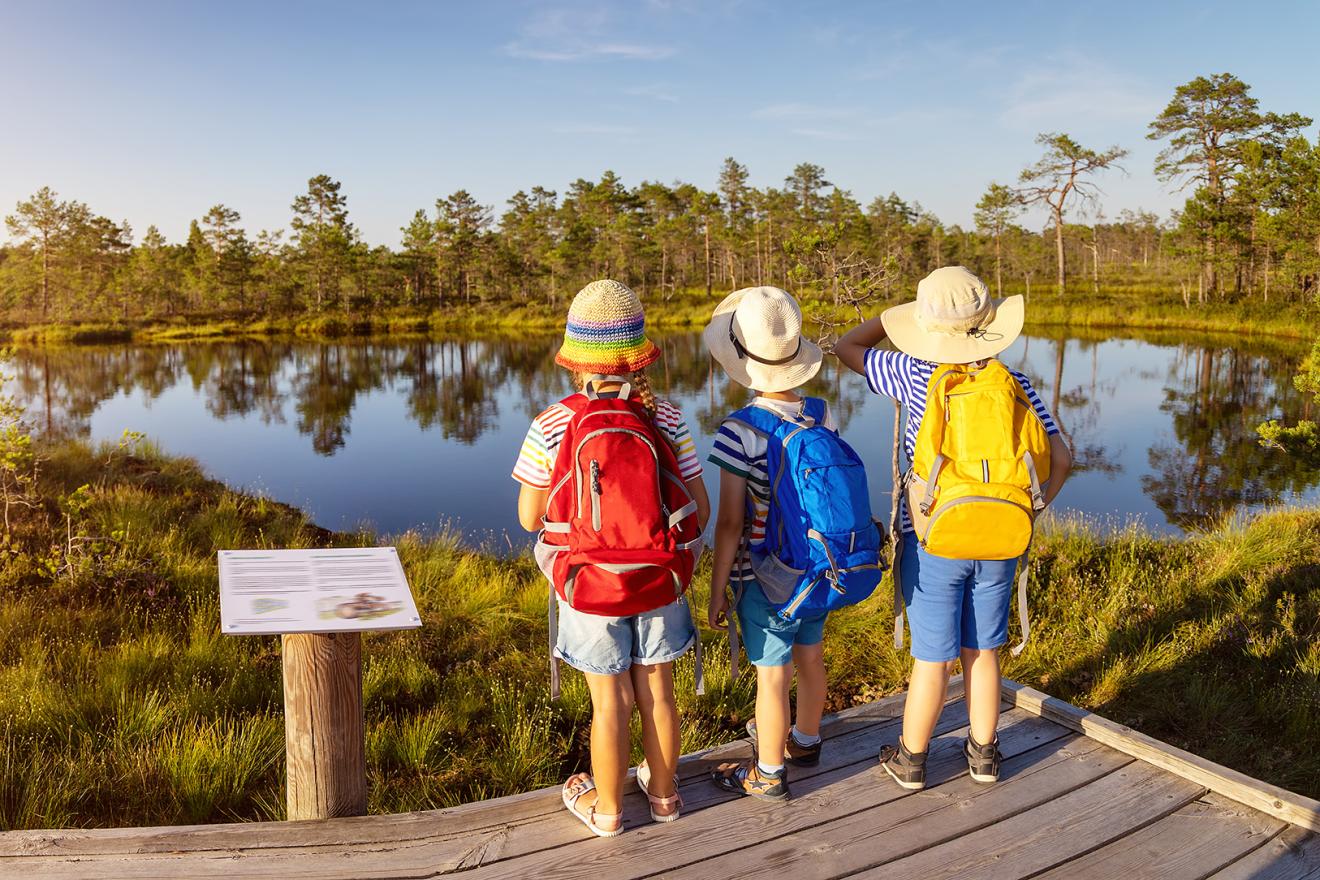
pixel 983 760
pixel 907 768
pixel 794 752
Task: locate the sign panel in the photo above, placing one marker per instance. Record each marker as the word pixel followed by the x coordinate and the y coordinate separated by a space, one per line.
pixel 268 592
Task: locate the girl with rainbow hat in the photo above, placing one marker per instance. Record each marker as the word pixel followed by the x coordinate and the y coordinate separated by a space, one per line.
pixel 627 660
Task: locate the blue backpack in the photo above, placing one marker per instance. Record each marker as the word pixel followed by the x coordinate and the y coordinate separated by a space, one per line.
pixel 822 547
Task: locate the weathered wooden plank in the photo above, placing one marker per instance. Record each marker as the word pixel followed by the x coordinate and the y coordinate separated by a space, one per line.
pixel 1199 839
pixel 1293 808
pixel 669 850
pixel 1063 828
pixel 457 821
pixel 1293 855
pixel 441 852
pixel 900 823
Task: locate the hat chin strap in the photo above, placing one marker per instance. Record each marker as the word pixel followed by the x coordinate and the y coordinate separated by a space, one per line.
pixel 744 353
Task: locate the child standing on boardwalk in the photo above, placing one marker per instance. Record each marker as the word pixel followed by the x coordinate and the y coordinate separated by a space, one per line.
pixel 611 477
pixel 978 436
pixel 755 335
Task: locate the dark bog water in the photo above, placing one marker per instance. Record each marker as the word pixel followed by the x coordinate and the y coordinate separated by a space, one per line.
pixel 413 433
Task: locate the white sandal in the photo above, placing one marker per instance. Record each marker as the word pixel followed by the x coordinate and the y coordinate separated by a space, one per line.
pixel 675 800
pixel 572 792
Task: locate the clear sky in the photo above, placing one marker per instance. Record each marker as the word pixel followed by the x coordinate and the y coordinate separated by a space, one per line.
pixel 153 112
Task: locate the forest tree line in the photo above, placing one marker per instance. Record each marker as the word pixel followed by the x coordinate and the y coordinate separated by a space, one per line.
pixel 1250 229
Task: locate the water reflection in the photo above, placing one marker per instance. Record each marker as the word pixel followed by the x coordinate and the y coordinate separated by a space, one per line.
pixel 1163 427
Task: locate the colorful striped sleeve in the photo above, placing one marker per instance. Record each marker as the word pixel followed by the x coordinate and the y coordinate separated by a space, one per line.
pixel 889 373
pixel 1051 427
pixel 534 463
pixel 670 420
pixel 729 453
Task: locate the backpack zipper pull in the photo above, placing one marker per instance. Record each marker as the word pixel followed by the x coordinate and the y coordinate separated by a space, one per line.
pixel 595 494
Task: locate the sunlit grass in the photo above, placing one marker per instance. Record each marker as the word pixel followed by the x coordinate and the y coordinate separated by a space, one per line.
pixel 121 702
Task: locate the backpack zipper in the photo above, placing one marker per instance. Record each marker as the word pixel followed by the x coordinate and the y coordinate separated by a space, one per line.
pixel 595 494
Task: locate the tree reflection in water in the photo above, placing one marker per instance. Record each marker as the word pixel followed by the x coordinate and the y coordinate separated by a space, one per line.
pixel 1200 446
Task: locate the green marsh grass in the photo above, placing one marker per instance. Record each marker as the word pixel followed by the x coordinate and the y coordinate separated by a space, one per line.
pixel 121 703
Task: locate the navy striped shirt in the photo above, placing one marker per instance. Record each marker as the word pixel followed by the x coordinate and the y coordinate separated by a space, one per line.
pixel 904 378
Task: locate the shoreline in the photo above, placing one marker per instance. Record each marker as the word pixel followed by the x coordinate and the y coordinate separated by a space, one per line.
pixel 1295 323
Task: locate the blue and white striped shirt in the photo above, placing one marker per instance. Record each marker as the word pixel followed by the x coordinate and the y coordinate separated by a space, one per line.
pixel 904 378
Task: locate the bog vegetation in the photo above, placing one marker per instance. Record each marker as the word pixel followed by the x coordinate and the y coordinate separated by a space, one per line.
pixel 123 704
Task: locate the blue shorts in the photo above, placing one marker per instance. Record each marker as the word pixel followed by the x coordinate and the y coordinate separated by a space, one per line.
pixel 767 637
pixel 610 645
pixel 954 603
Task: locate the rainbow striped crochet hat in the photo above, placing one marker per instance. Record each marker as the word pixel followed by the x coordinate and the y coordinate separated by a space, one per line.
pixel 606 332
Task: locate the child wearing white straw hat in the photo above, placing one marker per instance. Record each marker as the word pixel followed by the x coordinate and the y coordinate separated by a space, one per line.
pixel 986 457
pixel 755 335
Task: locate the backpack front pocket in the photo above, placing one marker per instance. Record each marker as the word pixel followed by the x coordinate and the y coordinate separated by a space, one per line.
pixel 778 581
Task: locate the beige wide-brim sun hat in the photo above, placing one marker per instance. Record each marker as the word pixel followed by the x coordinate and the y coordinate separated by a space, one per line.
pixel 954 320
pixel 756 335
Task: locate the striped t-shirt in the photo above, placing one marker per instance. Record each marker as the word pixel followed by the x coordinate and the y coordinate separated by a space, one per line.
pixel 742 451
pixel 905 378
pixel 537 458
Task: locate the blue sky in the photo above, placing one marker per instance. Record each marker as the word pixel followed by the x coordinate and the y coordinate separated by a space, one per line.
pixel 153 112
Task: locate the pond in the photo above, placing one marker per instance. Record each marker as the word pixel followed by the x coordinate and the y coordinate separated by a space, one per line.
pixel 423 432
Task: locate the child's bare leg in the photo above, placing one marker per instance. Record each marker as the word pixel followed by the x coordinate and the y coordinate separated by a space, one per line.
pixel 810 663
pixel 611 742
pixel 925 700
pixel 772 718
pixel 653 687
pixel 981 685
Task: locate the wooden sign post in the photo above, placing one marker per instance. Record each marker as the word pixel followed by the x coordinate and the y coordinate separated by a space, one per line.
pixel 323 728
pixel 319 602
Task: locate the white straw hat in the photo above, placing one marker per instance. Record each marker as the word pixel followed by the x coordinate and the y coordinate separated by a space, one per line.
pixel 756 335
pixel 954 320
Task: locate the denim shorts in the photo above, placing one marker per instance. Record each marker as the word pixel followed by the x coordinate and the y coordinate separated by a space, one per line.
pixel 767 637
pixel 610 645
pixel 954 603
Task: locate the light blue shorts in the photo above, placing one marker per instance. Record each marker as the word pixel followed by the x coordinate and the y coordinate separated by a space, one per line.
pixel 610 645
pixel 954 603
pixel 767 637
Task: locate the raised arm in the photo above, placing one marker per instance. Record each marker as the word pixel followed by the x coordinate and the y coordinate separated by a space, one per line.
pixel 852 346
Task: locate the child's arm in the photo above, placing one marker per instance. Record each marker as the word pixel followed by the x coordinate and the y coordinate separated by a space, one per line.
pixel 852 346
pixel 728 535
pixel 531 506
pixel 697 489
pixel 1060 464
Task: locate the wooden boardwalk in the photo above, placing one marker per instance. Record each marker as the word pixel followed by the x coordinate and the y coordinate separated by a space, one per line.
pixel 1080 798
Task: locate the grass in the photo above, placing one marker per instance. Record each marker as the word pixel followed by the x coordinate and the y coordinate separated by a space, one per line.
pixel 122 704
pixel 1133 306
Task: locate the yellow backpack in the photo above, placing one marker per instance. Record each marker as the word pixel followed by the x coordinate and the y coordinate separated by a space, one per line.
pixel 979 468
pixel 981 459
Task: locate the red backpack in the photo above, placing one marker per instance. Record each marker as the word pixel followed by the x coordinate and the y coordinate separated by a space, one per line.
pixel 620 530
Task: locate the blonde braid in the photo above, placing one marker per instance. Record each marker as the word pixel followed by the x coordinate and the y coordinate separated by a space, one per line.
pixel 644 393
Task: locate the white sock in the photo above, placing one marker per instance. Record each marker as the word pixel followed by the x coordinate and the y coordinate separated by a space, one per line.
pixel 769 769
pixel 802 739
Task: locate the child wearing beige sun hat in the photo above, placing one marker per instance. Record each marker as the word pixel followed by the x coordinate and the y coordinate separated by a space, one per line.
pixel 957 607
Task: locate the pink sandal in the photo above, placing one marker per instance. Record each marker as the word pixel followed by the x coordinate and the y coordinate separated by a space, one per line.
pixel 573 792
pixel 675 800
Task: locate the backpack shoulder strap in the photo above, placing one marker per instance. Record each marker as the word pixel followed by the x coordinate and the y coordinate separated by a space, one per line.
pixel 814 408
pixel 758 418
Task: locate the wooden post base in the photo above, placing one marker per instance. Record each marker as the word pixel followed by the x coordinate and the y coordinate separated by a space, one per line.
pixel 323 729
